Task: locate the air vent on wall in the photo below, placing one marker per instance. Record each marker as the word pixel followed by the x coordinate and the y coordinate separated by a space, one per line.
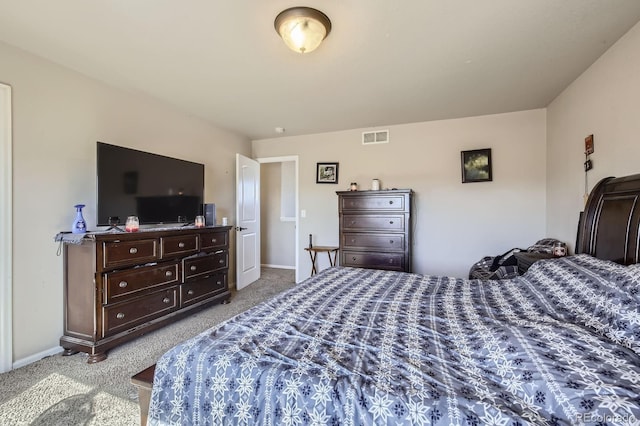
pixel 377 136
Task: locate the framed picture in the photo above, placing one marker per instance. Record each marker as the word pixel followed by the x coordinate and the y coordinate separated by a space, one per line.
pixel 588 145
pixel 476 165
pixel 327 173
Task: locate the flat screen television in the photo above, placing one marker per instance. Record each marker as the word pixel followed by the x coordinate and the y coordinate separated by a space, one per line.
pixel 156 188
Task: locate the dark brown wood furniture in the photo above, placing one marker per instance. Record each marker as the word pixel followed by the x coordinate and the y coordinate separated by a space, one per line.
pixel 375 229
pixel 610 226
pixel 144 382
pixel 526 259
pixel 313 253
pixel 118 286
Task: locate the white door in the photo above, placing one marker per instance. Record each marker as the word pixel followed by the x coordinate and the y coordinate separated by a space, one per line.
pixel 247 221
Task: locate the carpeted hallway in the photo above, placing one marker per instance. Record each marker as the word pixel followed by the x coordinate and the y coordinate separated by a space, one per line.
pixel 67 391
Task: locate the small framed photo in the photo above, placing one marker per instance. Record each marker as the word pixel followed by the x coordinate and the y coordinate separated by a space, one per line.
pixel 588 145
pixel 327 173
pixel 476 165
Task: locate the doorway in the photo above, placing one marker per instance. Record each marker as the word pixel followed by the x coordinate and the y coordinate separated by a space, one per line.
pixel 279 217
pixel 6 242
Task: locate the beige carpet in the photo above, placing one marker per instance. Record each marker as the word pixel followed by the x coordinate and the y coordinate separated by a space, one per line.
pixel 67 391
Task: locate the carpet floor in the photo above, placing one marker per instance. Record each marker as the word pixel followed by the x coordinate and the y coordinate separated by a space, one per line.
pixel 61 390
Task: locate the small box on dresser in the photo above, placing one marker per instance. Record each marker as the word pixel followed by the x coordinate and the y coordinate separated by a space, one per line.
pixel 118 286
pixel 375 229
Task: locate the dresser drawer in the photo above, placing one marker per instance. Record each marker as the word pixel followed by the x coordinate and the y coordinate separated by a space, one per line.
pixel 202 289
pixel 123 316
pixel 355 222
pixel 392 242
pixel 375 260
pixel 123 253
pixel 383 202
pixel 202 265
pixel 179 245
pixel 214 240
pixel 122 284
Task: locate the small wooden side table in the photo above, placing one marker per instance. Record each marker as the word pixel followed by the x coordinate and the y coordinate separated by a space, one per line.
pixel 313 253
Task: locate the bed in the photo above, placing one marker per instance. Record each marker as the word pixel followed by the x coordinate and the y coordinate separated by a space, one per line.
pixel 557 345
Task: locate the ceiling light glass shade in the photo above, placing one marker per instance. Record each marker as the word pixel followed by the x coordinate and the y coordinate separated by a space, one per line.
pixel 302 28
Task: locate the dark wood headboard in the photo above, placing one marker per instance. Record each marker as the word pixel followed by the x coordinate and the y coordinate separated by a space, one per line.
pixel 610 226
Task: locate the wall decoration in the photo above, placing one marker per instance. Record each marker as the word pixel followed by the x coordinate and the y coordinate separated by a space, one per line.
pixel 327 173
pixel 476 165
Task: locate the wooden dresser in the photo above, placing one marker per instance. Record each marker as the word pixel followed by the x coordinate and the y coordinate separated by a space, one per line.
pixel 375 229
pixel 118 286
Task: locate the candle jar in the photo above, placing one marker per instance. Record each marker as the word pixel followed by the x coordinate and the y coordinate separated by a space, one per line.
pixel 559 249
pixel 353 186
pixel 199 222
pixel 132 224
pixel 375 185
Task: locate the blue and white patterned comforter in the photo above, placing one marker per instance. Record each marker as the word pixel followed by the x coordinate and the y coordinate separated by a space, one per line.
pixel 558 345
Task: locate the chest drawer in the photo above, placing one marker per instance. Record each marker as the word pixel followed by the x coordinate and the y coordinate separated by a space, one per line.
pixel 373 222
pixel 123 253
pixel 381 202
pixel 122 316
pixel 351 240
pixel 201 289
pixel 213 240
pixel 179 245
pixel 375 260
pixel 202 265
pixel 122 284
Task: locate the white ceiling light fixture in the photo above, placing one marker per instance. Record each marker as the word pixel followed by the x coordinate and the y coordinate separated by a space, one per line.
pixel 302 28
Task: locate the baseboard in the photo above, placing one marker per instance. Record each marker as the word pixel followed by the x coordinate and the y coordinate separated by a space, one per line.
pixel 277 266
pixel 37 357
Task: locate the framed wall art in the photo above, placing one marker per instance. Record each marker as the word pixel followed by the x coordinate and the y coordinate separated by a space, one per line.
pixel 476 165
pixel 327 173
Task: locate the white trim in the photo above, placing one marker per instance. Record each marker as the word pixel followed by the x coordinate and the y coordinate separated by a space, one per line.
pixel 295 159
pixel 268 265
pixel 37 357
pixel 6 224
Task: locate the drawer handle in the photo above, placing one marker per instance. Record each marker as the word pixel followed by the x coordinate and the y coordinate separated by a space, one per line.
pixel 219 283
pixel 181 244
pixel 353 240
pixel 213 240
pixel 353 222
pixel 193 267
pixel 166 300
pixel 390 201
pixel 168 273
pixel 354 258
pixel 390 222
pixel 190 292
pixel 120 315
pixel 133 250
pixel 390 241
pixel 390 261
pixel 123 284
pixel 221 261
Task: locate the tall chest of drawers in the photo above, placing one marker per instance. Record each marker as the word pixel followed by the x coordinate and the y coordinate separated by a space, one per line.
pixel 375 229
pixel 118 286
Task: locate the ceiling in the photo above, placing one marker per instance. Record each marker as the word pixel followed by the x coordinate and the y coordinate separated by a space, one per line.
pixel 385 62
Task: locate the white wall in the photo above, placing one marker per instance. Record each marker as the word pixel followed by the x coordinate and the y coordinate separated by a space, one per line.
pixel 58 115
pixel 603 101
pixel 456 224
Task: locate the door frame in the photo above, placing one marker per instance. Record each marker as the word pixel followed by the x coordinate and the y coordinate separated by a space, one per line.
pixel 6 243
pixel 295 159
